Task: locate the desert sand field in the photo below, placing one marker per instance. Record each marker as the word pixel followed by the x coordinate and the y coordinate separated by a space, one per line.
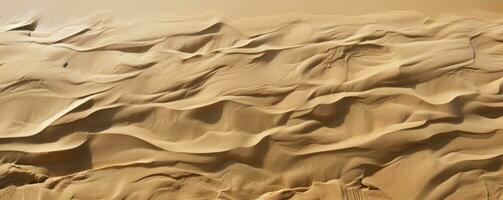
pixel 362 105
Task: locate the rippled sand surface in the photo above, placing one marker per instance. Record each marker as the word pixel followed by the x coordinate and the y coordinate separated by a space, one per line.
pixel 383 106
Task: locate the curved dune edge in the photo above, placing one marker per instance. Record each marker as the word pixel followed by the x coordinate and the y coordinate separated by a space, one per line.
pixel 383 106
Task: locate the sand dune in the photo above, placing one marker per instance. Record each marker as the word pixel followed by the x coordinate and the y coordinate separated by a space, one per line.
pixel 391 105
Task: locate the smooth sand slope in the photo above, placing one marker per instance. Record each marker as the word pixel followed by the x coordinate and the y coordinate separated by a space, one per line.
pixel 390 105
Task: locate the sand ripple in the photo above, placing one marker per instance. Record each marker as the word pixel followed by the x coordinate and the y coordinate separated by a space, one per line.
pixel 384 106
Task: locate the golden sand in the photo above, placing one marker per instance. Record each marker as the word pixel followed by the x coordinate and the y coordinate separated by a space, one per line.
pixel 390 105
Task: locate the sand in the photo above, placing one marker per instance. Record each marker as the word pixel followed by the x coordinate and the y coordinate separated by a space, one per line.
pixel 388 105
pixel 55 13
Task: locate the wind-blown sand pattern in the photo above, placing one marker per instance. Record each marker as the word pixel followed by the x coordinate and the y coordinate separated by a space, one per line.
pixel 384 106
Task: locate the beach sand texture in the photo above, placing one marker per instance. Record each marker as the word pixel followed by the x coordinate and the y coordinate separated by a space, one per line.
pixel 389 105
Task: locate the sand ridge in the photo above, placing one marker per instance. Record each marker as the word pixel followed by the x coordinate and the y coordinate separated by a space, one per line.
pixel 391 105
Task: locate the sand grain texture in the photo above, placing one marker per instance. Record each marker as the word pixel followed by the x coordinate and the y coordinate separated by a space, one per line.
pixel 382 106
